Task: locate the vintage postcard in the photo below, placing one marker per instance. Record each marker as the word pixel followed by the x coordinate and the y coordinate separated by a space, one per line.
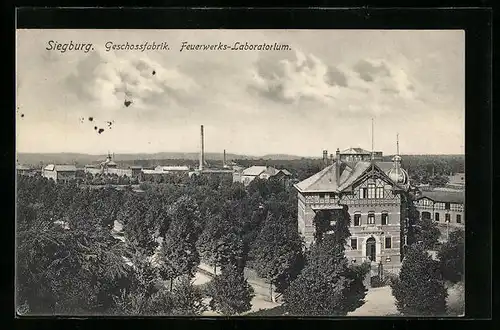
pixel 240 172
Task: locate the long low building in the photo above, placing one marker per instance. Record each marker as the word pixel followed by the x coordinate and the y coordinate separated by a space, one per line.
pixel 247 175
pixel 445 207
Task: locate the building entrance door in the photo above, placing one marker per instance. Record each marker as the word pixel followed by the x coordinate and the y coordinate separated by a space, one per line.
pixel 370 248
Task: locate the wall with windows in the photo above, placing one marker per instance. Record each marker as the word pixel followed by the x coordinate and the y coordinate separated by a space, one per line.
pixel 441 212
pixel 375 212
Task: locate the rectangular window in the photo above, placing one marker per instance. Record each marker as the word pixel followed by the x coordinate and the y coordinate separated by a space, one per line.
pixel 354 243
pixel 362 193
pixel 436 216
pixel 459 218
pixel 357 219
pixel 379 193
pixel 371 190
pixel 385 217
pixel 388 242
pixel 447 217
pixel 447 206
pixel 371 218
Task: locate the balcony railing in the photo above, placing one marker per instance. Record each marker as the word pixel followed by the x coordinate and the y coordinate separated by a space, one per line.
pixel 372 229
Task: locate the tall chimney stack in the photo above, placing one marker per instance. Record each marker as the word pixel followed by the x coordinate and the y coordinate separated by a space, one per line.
pixel 224 160
pixel 325 157
pixel 202 151
pixel 337 165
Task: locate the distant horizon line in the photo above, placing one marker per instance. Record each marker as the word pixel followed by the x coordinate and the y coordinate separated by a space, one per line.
pixel 227 153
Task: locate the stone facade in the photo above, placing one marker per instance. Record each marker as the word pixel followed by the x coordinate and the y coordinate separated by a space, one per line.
pixel 376 220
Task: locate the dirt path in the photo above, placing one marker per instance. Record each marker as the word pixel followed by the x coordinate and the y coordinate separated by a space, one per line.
pixel 378 302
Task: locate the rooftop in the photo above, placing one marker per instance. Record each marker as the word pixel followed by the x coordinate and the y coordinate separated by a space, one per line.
pixel 326 180
pixel 258 170
pixel 286 172
pixel 355 151
pixel 172 168
pixel 445 196
pixel 20 167
pixel 60 168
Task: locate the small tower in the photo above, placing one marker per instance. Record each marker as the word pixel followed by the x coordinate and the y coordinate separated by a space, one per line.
pixel 397 173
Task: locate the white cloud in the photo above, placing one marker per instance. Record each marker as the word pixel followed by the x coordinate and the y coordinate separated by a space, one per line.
pixel 109 81
pixel 370 87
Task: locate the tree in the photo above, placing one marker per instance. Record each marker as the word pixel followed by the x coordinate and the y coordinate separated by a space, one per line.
pixel 277 253
pixel 419 289
pixel 438 180
pixel 178 252
pixel 327 285
pixel 451 257
pixel 427 232
pixel 140 225
pixel 336 221
pixel 187 298
pixel 219 244
pixel 230 292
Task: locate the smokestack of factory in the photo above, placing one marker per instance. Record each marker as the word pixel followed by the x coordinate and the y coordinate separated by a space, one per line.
pixel 202 151
pixel 224 159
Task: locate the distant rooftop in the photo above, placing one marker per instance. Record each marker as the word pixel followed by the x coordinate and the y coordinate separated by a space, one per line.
pixel 20 167
pixel 358 151
pixel 258 170
pixel 60 168
pixel 445 196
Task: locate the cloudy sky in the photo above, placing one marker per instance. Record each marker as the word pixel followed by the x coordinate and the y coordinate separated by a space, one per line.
pixel 321 94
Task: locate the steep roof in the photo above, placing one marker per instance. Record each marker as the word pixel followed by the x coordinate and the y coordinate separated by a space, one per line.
pixel 444 196
pixel 326 179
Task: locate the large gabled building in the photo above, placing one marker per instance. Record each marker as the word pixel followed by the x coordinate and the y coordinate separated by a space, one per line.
pixel 59 173
pixel 375 194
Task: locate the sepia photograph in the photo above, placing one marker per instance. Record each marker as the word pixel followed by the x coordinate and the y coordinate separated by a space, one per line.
pixel 209 173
